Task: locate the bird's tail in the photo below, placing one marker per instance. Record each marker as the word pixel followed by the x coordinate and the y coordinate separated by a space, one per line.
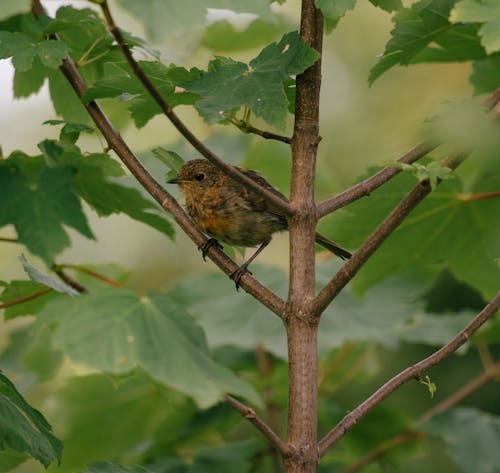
pixel 333 247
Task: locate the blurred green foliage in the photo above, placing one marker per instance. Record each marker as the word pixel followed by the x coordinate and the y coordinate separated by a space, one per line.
pixel 133 382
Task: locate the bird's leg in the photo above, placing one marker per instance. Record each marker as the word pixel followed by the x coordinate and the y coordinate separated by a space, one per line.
pixel 207 245
pixel 236 275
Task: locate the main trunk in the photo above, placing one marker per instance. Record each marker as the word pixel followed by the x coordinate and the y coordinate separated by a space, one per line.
pixel 303 396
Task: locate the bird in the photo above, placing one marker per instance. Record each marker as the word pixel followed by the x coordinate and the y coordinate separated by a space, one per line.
pixel 228 211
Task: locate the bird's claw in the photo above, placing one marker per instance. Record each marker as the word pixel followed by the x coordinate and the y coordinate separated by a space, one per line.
pixel 207 245
pixel 238 274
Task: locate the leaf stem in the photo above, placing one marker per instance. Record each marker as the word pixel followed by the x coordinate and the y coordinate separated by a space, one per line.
pixel 94 274
pixel 484 195
pixel 29 297
pixel 245 127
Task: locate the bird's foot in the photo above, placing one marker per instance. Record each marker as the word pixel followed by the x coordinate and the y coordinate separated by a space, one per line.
pixel 238 274
pixel 207 245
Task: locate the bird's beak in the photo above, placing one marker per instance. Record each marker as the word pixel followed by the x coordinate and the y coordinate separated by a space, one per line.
pixel 175 180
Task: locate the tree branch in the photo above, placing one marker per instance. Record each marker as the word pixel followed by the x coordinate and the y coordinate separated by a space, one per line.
pixel 462 393
pixel 249 414
pixel 301 333
pixel 365 187
pixel 383 448
pixel 409 436
pixel 378 236
pixel 413 372
pixel 117 144
pixel 245 127
pixel 69 280
pixel 279 203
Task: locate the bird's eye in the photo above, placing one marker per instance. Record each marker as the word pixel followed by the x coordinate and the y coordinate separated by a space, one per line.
pixel 199 177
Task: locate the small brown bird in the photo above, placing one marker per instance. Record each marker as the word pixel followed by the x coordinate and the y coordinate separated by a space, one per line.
pixel 227 211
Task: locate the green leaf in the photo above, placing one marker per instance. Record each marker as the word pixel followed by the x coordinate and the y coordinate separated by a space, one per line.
pixel 471 436
pixel 42 278
pixel 485 75
pixel 171 159
pixel 432 172
pixel 387 314
pixel 83 31
pixel 168 20
pixel 23 428
pixel 127 410
pixel 423 33
pixel 229 85
pixel 64 100
pixel 430 385
pixel 93 184
pixel 241 320
pixel 118 81
pixel 480 11
pixel 70 131
pixel 29 82
pixel 115 330
pixel 23 51
pixel 334 10
pixel 38 201
pixel 18 289
pixel 446 230
pixel 387 5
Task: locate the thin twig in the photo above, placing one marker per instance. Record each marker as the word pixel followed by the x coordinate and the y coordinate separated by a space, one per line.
pixel 69 280
pixel 29 297
pixel 462 393
pixel 412 372
pixel 249 414
pixel 383 448
pixel 408 436
pixel 268 135
pixel 94 274
pixel 377 237
pixel 265 364
pixel 366 187
pixel 280 204
pixel 167 201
